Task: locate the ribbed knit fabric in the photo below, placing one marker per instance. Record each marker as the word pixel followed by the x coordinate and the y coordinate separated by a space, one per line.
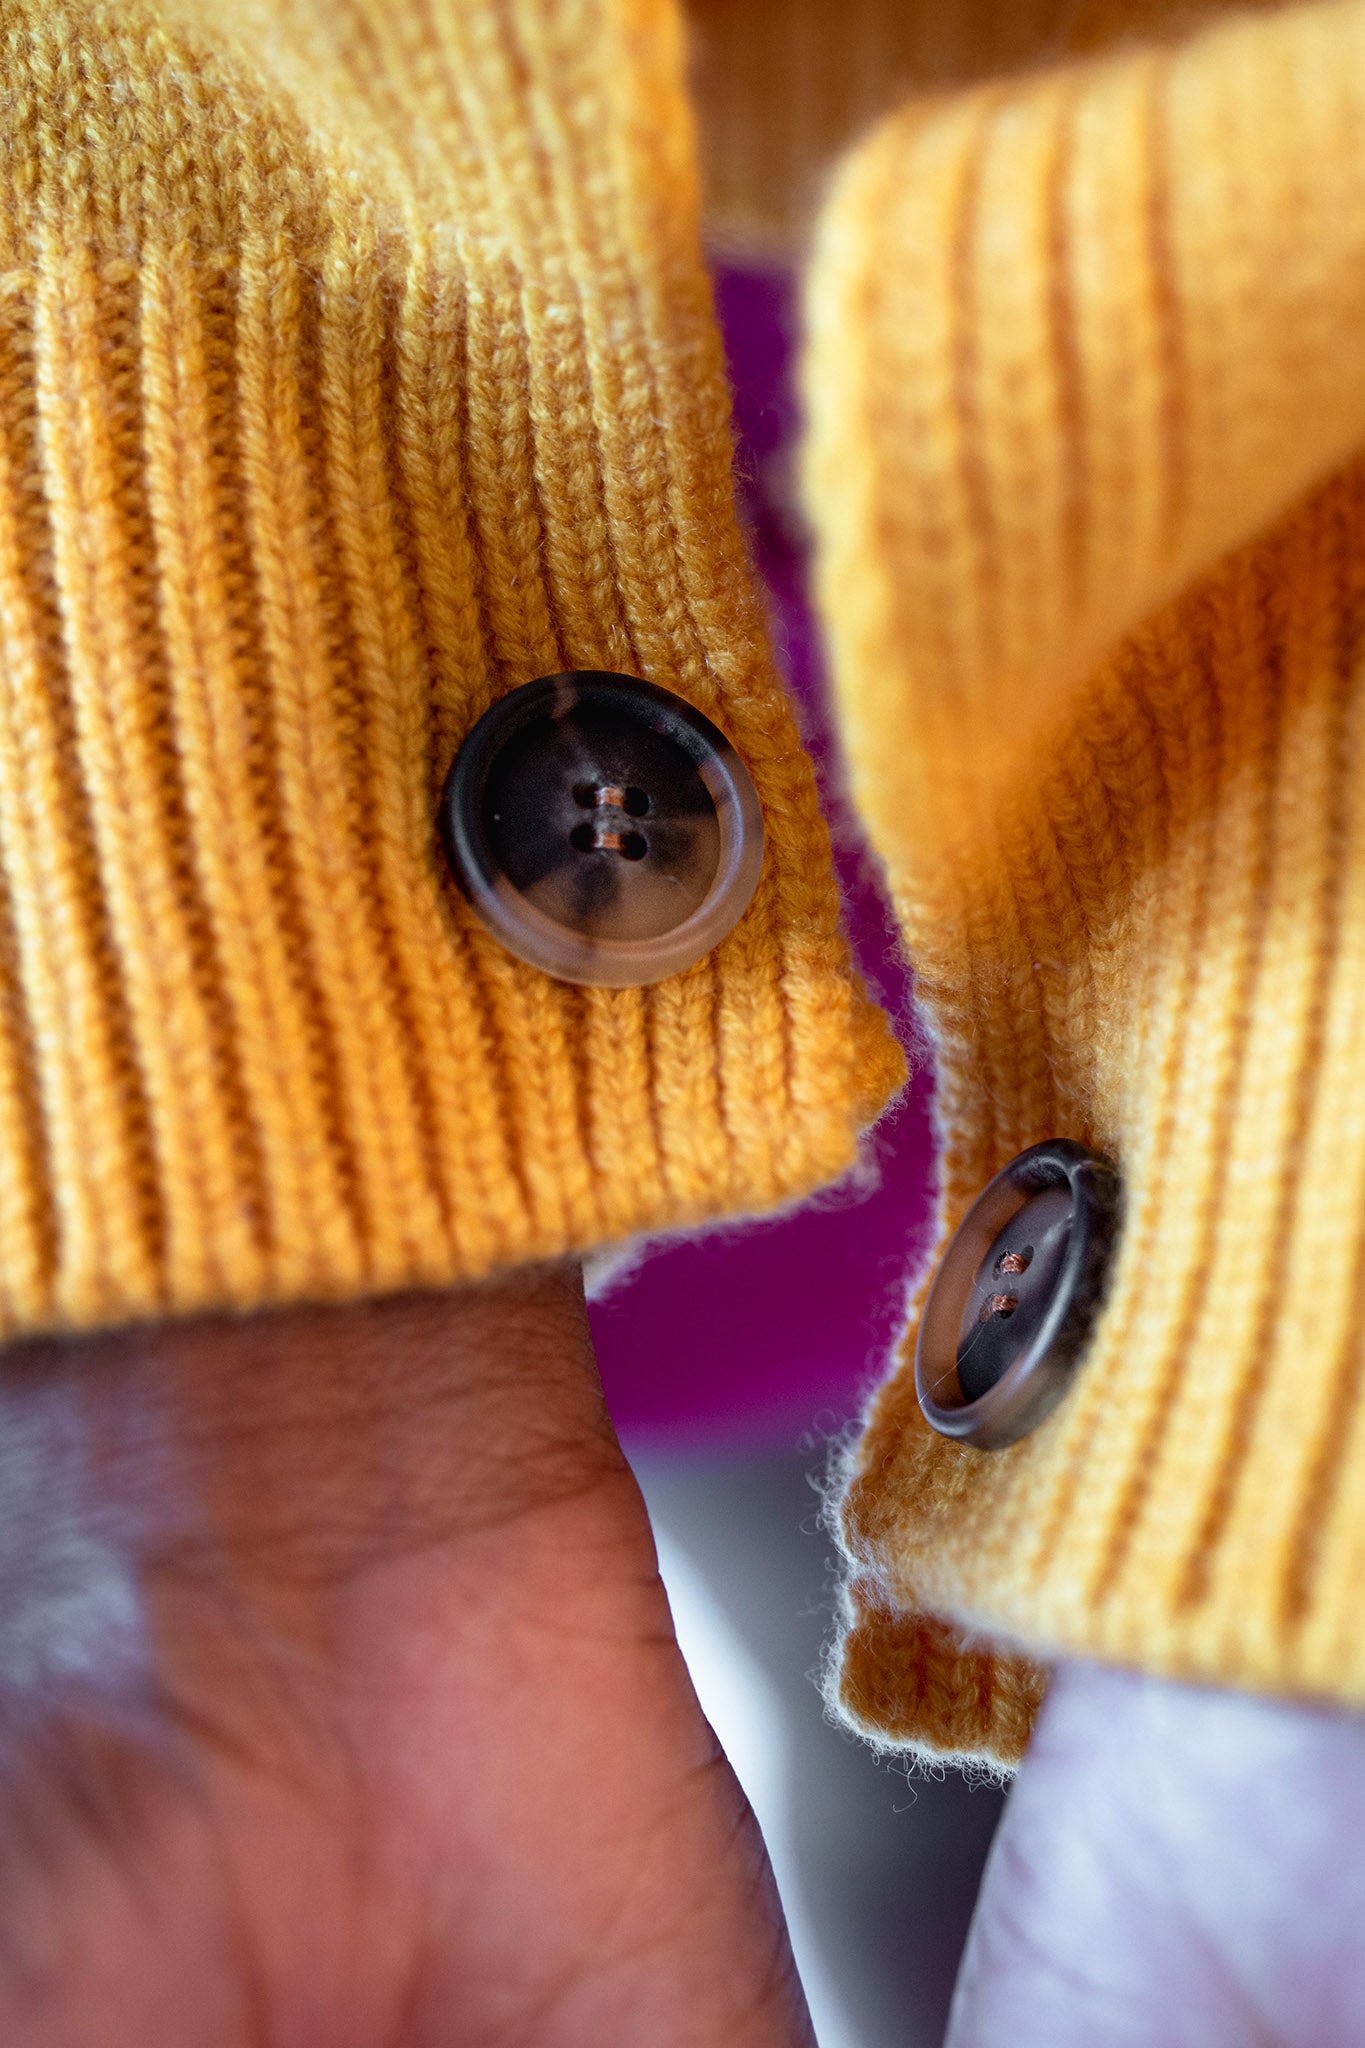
pixel 782 86
pixel 1087 384
pixel 357 364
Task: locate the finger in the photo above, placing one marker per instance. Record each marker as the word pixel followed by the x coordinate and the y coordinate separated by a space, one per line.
pixel 1175 1866
pixel 423 1762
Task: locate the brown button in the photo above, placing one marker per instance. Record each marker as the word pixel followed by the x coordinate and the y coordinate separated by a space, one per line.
pixel 602 828
pixel 1014 1301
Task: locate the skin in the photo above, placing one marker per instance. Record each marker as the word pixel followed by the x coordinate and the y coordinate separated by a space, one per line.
pixel 340 1708
pixel 340 1705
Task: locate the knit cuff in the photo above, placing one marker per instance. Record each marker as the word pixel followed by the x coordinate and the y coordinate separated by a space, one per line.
pixel 1081 346
pixel 357 364
pixel 783 87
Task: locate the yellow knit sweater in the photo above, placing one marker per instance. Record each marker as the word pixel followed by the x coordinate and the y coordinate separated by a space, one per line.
pixel 356 365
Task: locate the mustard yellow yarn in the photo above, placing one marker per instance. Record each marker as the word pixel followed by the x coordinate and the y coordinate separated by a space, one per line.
pixel 357 364
pixel 1087 393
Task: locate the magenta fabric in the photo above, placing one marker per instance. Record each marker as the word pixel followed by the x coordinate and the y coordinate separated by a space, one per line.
pixel 761 1335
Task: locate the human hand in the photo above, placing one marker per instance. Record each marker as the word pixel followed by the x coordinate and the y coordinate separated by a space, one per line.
pixel 1176 1868
pixel 339 1700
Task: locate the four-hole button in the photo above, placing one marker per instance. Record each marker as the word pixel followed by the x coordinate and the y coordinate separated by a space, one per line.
pixel 604 829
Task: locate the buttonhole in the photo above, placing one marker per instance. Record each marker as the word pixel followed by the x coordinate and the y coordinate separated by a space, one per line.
pixel 1015 1262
